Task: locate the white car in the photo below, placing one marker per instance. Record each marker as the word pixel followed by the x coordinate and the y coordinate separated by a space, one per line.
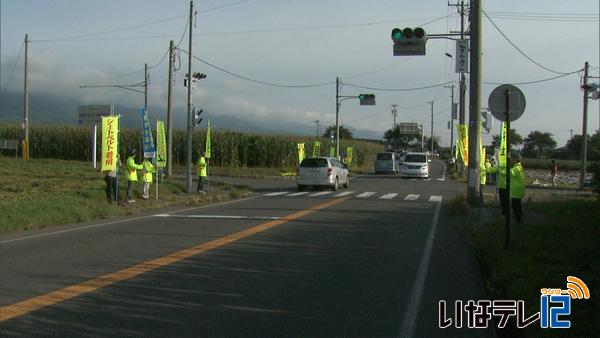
pixel 415 165
pixel 322 171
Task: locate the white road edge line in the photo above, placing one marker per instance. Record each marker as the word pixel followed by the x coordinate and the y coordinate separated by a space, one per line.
pixel 119 221
pixel 412 310
pixel 345 193
pixel 268 218
pixel 443 178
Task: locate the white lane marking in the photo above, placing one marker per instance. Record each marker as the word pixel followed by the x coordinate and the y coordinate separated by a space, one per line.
pixel 366 194
pixel 388 196
pixel 219 217
pixel 411 197
pixel 443 174
pixel 277 193
pixel 120 221
pixel 435 198
pixel 345 193
pixel 410 317
pixel 321 193
pixel 299 193
pixel 441 179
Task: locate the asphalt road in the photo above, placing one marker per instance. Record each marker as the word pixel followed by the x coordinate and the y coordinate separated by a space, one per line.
pixel 370 260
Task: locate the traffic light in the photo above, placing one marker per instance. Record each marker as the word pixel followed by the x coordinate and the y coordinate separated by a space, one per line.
pixel 196 120
pixel 409 41
pixel 367 99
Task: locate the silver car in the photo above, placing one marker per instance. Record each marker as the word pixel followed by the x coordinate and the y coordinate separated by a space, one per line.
pixel 415 165
pixel 386 162
pixel 322 171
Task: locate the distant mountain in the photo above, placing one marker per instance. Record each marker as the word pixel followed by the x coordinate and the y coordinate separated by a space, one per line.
pixel 52 109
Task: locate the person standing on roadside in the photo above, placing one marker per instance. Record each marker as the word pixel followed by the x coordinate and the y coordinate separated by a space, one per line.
pixel 110 177
pixel 500 174
pixel 132 169
pixel 201 171
pixel 554 173
pixel 147 178
pixel 517 189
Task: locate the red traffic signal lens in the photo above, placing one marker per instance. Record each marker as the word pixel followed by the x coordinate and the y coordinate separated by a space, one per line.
pixel 408 33
pixel 419 32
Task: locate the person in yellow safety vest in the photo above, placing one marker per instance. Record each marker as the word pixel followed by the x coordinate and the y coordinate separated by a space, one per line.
pixel 487 166
pixel 132 169
pixel 500 172
pixel 201 171
pixel 517 189
pixel 147 178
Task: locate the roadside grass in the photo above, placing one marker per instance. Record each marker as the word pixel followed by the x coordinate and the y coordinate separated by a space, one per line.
pixel 546 163
pixel 41 192
pixel 558 239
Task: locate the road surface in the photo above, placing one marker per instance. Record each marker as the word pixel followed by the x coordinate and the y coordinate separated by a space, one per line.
pixel 371 260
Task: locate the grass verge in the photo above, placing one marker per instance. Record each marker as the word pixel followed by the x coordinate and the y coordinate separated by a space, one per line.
pixel 41 193
pixel 557 239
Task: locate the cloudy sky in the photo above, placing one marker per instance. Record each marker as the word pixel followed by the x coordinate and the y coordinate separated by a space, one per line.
pixel 299 43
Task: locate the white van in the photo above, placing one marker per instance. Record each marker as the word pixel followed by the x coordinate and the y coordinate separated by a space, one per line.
pixel 415 165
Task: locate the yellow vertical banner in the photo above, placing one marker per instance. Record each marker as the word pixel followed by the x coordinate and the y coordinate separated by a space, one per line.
pixel 331 151
pixel 207 144
pixel 463 142
pixel 482 153
pixel 110 136
pixel 348 156
pixel 161 150
pixel 300 152
pixel 317 149
pixel 502 151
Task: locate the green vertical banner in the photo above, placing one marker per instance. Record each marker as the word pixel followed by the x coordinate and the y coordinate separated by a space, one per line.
pixel 502 151
pixel 161 150
pixel 331 151
pixel 317 149
pixel 207 144
pixel 348 156
pixel 300 152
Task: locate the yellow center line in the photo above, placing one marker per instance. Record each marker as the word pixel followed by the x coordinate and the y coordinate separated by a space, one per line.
pixel 36 303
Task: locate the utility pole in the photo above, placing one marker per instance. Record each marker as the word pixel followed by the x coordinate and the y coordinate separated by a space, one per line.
pixel 318 128
pixel 189 102
pixel 337 116
pixel 474 101
pixel 169 116
pixel 146 87
pixel 422 139
pixel 584 131
pixel 431 102
pixel 571 133
pixel 451 118
pixel 394 114
pixel 25 147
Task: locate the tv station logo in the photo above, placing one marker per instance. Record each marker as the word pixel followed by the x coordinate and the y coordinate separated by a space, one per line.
pixel 555 307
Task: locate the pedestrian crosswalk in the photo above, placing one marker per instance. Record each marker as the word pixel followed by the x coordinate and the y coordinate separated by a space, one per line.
pixel 358 195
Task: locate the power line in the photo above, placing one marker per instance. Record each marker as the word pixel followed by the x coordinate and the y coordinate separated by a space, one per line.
pixel 222 6
pixel 319 27
pixel 398 89
pixel 13 69
pixel 535 81
pixel 110 31
pixel 518 49
pixel 272 84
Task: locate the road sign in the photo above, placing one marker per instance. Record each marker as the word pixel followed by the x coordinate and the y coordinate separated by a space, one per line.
pixel 462 56
pixel 409 128
pixel 497 102
pixel 90 115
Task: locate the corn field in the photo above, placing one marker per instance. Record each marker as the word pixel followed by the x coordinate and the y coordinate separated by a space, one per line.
pixel 229 149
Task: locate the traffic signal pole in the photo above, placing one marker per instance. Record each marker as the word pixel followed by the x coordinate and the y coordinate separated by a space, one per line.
pixel 337 117
pixel 169 115
pixel 474 102
pixel 189 104
pixel 584 127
